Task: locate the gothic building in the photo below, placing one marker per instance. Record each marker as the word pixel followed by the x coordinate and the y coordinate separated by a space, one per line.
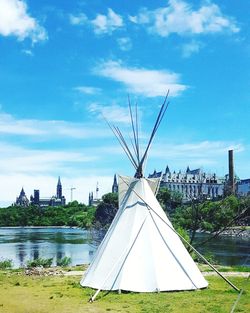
pixel 191 183
pixel 22 200
pixel 59 189
pixel 115 185
pixel 243 187
pixel 57 200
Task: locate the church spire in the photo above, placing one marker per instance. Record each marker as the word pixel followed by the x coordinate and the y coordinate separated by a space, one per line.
pixel 59 189
pixel 115 185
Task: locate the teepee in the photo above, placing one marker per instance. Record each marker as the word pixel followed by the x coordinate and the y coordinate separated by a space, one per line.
pixel 141 251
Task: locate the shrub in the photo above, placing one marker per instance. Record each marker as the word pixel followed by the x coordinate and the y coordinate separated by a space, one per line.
pixel 39 262
pixel 5 264
pixel 66 261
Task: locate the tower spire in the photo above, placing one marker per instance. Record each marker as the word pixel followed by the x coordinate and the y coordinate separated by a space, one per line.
pixel 97 190
pixel 115 185
pixel 59 189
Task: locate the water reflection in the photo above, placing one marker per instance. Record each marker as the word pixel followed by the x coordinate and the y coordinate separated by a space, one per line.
pixel 226 250
pixel 23 244
pixel 21 253
pixel 59 247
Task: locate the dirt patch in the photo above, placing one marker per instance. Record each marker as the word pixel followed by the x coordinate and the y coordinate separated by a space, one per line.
pixel 40 271
pixel 231 274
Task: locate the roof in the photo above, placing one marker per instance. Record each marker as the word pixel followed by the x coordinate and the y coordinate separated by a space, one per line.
pixel 155 174
pixel 244 181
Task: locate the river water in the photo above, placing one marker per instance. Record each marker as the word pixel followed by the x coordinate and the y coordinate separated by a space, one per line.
pixel 23 244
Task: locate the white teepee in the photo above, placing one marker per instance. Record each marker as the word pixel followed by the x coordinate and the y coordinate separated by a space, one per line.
pixel 141 251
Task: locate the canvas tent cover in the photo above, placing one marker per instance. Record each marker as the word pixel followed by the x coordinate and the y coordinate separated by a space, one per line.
pixel 140 252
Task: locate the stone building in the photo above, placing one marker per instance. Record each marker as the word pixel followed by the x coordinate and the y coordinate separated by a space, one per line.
pixel 57 200
pixel 22 200
pixel 192 184
pixel 243 187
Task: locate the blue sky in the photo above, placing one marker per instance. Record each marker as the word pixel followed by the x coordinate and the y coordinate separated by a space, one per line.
pixel 65 64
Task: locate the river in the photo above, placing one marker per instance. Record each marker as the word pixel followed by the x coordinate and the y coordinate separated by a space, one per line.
pixel 28 243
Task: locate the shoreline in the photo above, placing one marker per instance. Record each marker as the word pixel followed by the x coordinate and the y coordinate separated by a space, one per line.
pixel 36 227
pixel 236 232
pixel 80 269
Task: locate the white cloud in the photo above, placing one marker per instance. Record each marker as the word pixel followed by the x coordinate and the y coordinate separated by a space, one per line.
pixel 107 23
pixel 79 19
pixel 16 160
pixel 190 48
pixel 211 148
pixel 88 90
pixel 204 153
pixel 150 83
pixel 179 17
pixel 101 24
pixel 10 125
pixel 48 129
pixel 113 113
pixel 210 156
pixel 16 21
pixel 124 43
pixel 39 168
pixel 27 52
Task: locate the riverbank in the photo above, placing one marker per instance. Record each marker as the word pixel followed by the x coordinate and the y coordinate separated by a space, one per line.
pixel 241 271
pixel 21 293
pixel 242 232
pixel 239 231
pixel 40 227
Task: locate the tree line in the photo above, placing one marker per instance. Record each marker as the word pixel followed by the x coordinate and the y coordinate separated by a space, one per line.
pixel 201 215
pixel 72 214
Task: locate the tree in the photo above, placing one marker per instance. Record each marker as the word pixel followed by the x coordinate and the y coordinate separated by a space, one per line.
pixel 211 216
pixel 169 200
pixel 106 210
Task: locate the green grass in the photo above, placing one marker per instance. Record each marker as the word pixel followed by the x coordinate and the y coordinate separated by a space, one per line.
pixel 53 294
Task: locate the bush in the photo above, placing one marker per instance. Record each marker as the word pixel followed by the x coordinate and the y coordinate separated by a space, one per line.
pixel 66 261
pixel 209 256
pixel 39 262
pixel 5 264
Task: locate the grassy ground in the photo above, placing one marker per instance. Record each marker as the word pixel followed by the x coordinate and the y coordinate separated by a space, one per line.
pixel 52 294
